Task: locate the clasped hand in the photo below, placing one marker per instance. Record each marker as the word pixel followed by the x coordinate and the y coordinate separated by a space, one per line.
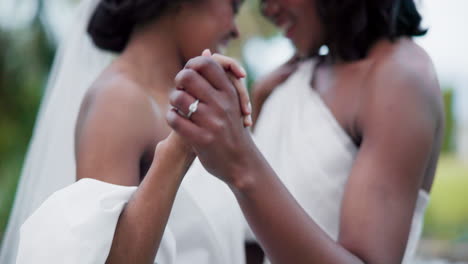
pixel 217 129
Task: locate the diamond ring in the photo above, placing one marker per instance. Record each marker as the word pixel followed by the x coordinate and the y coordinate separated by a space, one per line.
pixel 193 108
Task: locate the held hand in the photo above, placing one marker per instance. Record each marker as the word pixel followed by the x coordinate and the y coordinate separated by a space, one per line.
pixel 215 128
pixel 174 154
pixel 235 73
pixel 174 145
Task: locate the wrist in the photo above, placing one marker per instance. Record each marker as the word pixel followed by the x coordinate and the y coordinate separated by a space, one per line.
pixel 243 174
pixel 173 155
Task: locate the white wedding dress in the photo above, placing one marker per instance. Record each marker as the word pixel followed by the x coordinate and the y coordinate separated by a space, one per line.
pixel 75 222
pixel 312 154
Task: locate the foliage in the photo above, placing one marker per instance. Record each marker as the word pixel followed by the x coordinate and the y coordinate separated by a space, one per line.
pixel 447 214
pixel 448 143
pixel 24 64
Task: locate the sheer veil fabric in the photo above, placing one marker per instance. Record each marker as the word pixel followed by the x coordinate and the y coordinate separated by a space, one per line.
pixel 50 163
pixel 58 224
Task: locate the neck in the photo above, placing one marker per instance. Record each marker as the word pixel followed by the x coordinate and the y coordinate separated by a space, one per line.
pixel 153 57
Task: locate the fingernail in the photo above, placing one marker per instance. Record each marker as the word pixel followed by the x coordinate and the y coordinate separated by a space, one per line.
pixel 249 120
pixel 249 108
pixel 206 52
pixel 243 72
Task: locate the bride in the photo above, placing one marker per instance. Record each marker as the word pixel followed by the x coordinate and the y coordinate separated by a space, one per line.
pixel 345 150
pixel 120 121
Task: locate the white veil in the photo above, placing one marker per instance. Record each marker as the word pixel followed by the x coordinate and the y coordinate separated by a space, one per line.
pixel 50 162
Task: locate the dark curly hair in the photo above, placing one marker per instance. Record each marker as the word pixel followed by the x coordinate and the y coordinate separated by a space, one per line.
pixel 353 26
pixel 113 21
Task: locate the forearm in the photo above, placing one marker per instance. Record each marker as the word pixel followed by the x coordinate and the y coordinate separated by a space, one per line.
pixel 283 228
pixel 142 223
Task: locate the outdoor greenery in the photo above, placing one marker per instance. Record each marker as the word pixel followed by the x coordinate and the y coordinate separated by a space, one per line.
pixel 449 141
pixel 447 214
pixel 25 58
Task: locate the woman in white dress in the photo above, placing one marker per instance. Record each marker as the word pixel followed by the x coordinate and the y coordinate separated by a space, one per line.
pixel 122 119
pixel 345 150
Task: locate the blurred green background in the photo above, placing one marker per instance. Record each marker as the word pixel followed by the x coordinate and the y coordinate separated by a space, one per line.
pixel 26 54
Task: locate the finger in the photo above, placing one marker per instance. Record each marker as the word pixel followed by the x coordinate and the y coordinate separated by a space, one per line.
pixel 233 67
pixel 244 99
pixel 248 122
pixel 184 127
pixel 209 69
pixel 230 64
pixel 206 53
pixel 182 101
pixel 197 86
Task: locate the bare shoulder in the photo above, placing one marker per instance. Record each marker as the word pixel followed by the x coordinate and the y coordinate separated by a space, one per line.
pixel 403 74
pixel 116 127
pixel 401 117
pixel 118 93
pixel 117 109
pixel 115 99
pixel 406 63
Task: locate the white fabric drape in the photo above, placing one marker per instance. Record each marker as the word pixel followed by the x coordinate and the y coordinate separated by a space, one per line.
pixel 312 154
pixel 76 225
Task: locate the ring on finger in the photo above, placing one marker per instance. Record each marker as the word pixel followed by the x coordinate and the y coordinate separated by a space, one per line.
pixel 193 108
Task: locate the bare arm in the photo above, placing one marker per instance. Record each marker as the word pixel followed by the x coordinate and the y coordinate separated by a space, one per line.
pixel 399 135
pixel 379 201
pixel 144 218
pixel 114 132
